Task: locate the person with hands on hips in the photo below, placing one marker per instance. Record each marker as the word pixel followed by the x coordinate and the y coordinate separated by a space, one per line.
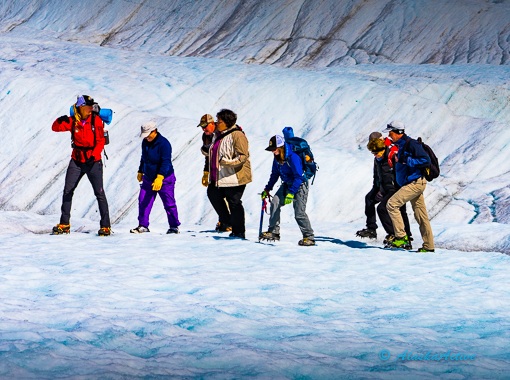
pixel 157 176
pixel 288 166
pixel 87 136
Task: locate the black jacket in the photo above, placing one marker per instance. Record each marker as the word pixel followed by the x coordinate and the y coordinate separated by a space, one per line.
pixel 384 175
pixel 206 143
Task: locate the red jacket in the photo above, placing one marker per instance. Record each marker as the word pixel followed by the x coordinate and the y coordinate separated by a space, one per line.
pixel 393 150
pixel 84 137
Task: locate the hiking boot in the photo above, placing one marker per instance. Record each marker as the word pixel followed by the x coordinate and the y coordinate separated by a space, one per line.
pixel 139 230
pixel 388 239
pixel 426 250
pixel 173 230
pixel 401 243
pixel 104 231
pixel 367 233
pixel 305 242
pixel 269 236
pixel 222 227
pixel 60 229
pixel 237 235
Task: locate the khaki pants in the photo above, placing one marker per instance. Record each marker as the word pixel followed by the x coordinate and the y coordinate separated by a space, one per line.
pixel 412 192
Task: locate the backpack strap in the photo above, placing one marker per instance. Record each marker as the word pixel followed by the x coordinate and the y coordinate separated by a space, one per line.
pixel 82 149
pixel 406 144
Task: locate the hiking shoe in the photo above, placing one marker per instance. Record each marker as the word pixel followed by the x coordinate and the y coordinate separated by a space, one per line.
pixel 388 239
pixel 401 243
pixel 237 235
pixel 269 236
pixel 426 250
pixel 222 227
pixel 139 230
pixel 173 230
pixel 60 229
pixel 367 233
pixel 104 231
pixel 306 242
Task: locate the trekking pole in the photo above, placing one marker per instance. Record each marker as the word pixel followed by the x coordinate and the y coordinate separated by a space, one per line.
pixel 264 209
pixel 262 216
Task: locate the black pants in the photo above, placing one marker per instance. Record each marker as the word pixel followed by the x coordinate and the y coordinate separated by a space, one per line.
pixel 234 217
pixel 75 171
pixel 374 197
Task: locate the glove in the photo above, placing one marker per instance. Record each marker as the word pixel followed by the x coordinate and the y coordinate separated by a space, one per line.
pixel 139 177
pixel 289 198
pixel 158 182
pixel 90 161
pixel 63 119
pixel 264 194
pixel 205 179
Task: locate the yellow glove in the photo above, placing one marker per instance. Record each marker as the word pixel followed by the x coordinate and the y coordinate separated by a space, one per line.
pixel 139 177
pixel 158 182
pixel 205 179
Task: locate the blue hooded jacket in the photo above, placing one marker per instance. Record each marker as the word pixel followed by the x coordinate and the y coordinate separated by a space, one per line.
pixel 156 158
pixel 410 162
pixel 291 172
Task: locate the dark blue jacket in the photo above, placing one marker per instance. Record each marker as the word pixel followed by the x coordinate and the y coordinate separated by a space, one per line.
pixel 156 158
pixel 291 172
pixel 410 162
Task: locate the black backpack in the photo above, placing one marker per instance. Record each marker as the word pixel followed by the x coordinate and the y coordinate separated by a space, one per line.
pixel 432 171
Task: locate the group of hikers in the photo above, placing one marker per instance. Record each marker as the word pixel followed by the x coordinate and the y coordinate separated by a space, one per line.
pixel 398 177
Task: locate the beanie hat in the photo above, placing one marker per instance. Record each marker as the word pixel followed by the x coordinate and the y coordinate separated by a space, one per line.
pixel 375 135
pixel 376 145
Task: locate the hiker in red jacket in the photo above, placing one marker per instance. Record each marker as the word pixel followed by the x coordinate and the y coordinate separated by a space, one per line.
pixel 87 136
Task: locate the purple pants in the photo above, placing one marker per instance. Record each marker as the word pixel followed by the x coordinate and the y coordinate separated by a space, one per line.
pixel 147 197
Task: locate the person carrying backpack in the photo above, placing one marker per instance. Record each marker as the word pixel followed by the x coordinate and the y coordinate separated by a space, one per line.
pixel 88 142
pixel 288 166
pixel 384 186
pixel 410 161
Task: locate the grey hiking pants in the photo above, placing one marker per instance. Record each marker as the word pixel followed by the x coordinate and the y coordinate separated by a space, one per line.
pixel 299 203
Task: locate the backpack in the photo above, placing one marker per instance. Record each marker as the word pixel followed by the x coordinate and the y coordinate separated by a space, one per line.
pixel 105 114
pixel 302 149
pixel 432 171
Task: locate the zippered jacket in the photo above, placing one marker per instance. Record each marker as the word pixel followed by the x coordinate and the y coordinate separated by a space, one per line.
pixel 410 162
pixel 232 158
pixel 156 158
pixel 291 171
pixel 88 143
pixel 384 175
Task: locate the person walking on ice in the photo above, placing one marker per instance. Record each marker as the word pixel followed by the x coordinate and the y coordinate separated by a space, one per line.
pixel 410 160
pixel 157 176
pixel 87 136
pixel 288 166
